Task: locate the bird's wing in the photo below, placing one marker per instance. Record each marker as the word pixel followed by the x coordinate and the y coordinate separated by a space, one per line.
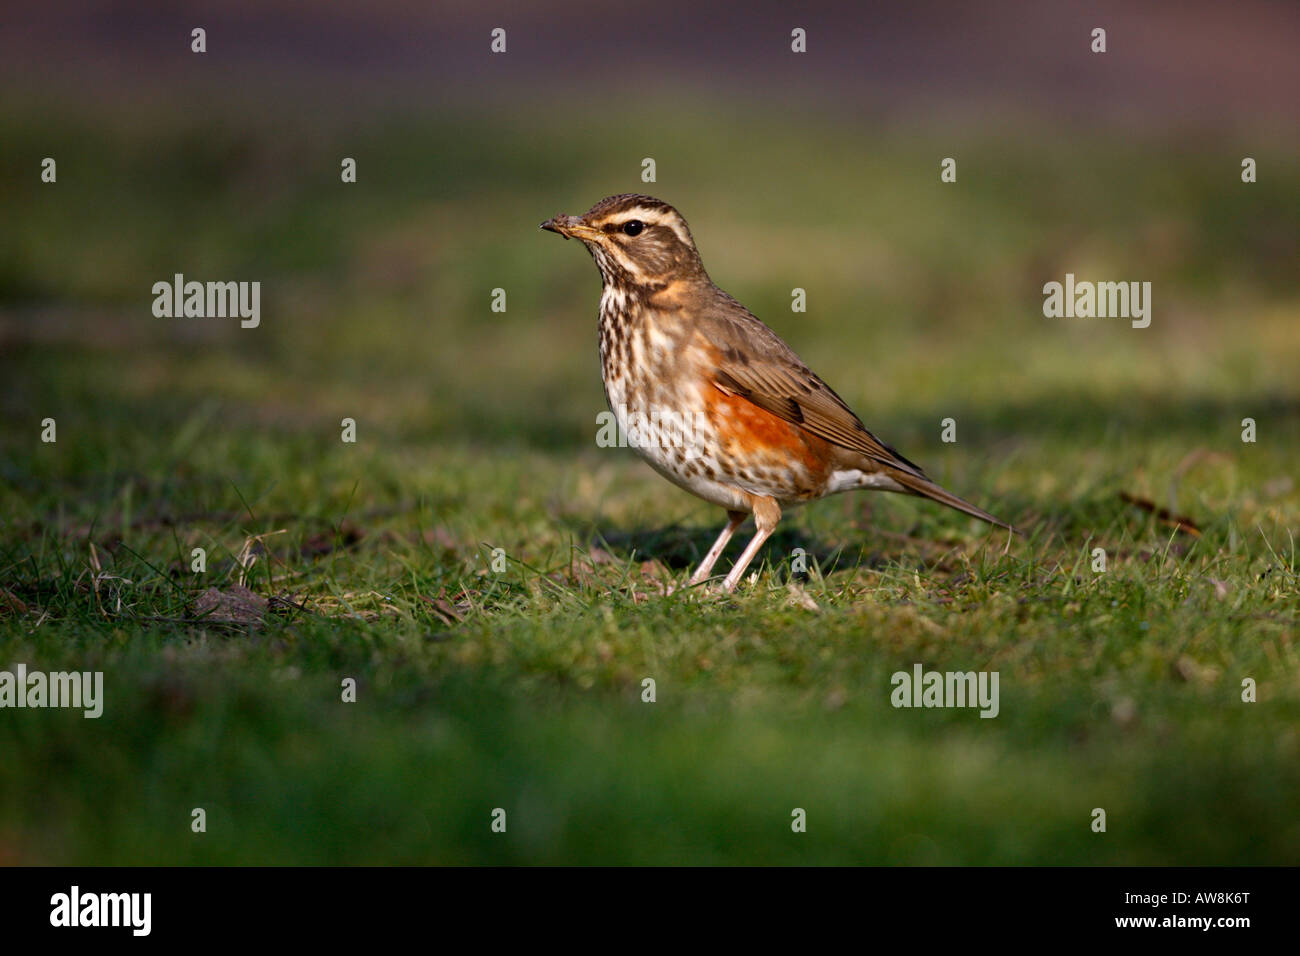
pixel 751 361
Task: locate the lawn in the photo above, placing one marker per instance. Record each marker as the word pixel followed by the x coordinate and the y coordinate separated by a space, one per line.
pixel 500 588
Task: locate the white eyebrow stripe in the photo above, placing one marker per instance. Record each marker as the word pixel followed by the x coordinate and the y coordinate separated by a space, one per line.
pixel 646 214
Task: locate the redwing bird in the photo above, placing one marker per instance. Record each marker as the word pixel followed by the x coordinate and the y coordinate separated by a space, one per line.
pixel 751 428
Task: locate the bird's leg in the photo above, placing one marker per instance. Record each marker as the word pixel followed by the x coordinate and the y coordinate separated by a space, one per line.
pixel 766 514
pixel 734 519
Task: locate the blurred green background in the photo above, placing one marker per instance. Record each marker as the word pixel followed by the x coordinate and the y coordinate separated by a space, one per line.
pixel 522 689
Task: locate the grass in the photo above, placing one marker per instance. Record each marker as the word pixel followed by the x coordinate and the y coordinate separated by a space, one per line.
pixel 522 689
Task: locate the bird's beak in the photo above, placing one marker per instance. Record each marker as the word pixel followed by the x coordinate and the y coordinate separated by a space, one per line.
pixel 570 227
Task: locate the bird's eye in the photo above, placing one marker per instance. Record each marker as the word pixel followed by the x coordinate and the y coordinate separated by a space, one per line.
pixel 633 227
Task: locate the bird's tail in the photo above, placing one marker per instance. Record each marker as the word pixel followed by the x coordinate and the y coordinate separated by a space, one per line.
pixel 923 487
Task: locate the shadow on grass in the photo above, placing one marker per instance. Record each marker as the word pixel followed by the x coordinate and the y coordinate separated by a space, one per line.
pixel 681 548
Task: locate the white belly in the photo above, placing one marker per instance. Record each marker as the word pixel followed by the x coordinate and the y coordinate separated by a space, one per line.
pixel 675 444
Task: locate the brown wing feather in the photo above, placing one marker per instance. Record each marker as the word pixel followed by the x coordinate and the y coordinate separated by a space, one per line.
pixel 753 362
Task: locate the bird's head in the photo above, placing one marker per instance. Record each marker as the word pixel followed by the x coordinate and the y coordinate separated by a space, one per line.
pixel 634 239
